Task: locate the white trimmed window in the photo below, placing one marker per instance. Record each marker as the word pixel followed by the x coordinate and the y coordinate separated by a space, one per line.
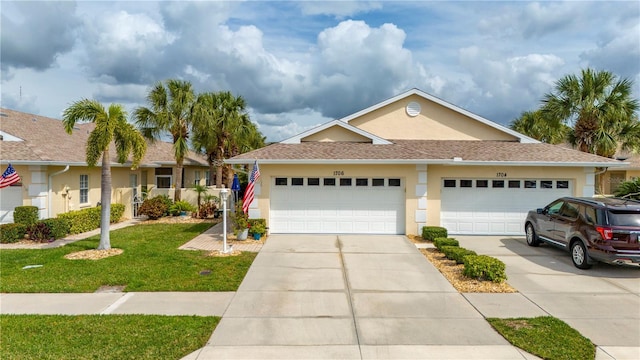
pixel 84 189
pixel 196 180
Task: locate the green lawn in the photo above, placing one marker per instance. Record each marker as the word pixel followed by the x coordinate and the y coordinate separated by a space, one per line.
pixel 546 337
pixel 151 261
pixel 102 337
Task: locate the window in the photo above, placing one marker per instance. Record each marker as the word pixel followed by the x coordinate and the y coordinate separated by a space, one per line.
pixel 297 181
pixel 362 182
pixel 555 207
pixel 394 182
pixel 164 177
pixel 329 181
pixel 282 182
pixel 514 184
pixel 196 180
pixel 313 181
pixel 569 210
pixel 449 183
pixel 345 182
pixel 466 183
pixel 84 189
pixel 497 183
pixel 482 183
pixel 377 182
pixel 546 184
pixel 207 178
pixel 562 184
pixel 530 184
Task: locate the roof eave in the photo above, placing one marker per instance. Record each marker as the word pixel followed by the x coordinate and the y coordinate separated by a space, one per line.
pixel 421 161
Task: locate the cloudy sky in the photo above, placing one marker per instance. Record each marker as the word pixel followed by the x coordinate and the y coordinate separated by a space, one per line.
pixel 302 63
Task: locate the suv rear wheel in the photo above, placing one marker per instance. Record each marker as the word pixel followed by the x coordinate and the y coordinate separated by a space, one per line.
pixel 532 238
pixel 579 255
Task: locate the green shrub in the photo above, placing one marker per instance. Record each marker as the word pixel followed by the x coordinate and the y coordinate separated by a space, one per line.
pixel 39 232
pixel 444 241
pixel 10 233
pixel 179 206
pixel 154 208
pixel 59 227
pixel 89 219
pixel 117 210
pixel 257 226
pixel 26 215
pixel 484 267
pixel 456 253
pixel 432 232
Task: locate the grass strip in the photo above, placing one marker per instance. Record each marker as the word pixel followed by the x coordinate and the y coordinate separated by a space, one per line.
pixel 150 261
pixel 545 336
pixel 103 336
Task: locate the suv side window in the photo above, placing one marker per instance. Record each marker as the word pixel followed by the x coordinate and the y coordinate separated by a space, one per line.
pixel 589 214
pixel 569 210
pixel 554 208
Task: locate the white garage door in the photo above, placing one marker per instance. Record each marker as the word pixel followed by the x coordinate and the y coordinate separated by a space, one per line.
pixel 10 197
pixel 337 205
pixel 495 207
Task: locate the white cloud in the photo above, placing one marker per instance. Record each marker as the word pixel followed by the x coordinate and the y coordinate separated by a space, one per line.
pixel 339 9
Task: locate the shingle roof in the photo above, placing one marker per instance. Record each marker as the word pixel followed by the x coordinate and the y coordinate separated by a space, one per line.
pixel 44 140
pixel 429 151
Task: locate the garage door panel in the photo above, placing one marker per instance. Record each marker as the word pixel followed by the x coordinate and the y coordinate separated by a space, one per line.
pixel 338 209
pixel 495 211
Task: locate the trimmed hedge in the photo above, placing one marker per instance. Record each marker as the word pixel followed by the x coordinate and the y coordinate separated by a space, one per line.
pixel 456 253
pixel 26 215
pixel 439 242
pixel 59 227
pixel 484 267
pixel 10 233
pixel 154 208
pixel 89 219
pixel 432 232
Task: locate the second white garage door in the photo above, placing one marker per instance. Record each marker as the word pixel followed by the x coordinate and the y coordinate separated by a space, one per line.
pixel 495 207
pixel 337 205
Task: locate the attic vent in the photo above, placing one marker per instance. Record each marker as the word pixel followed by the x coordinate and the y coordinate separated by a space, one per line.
pixel 413 109
pixel 34 119
pixel 4 115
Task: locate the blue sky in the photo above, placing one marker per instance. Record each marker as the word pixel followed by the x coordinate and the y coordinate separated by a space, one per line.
pixel 302 63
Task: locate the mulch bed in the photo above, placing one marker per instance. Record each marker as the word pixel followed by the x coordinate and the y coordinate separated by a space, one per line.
pixel 454 273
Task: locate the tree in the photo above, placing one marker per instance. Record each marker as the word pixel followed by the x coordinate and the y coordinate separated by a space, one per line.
pixel 599 108
pixel 535 125
pixel 629 189
pixel 170 112
pixel 111 126
pixel 222 130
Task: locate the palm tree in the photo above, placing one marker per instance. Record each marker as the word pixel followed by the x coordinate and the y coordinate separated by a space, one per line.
pixel 170 111
pixel 535 125
pixel 200 190
pixel 600 109
pixel 222 130
pixel 111 126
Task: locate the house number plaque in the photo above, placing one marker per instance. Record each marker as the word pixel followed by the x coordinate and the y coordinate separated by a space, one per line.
pixel 501 174
pixel 338 173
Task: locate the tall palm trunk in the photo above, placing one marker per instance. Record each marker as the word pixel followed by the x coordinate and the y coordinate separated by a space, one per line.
pixel 178 191
pixel 105 200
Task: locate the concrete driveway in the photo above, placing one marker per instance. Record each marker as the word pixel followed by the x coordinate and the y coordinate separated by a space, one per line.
pixel 602 303
pixel 350 297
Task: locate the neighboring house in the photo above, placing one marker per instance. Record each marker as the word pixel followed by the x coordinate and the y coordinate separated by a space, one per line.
pixel 410 161
pixel 56 178
pixel 612 178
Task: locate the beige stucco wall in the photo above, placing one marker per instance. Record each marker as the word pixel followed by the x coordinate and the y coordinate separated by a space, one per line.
pixel 422 183
pixel 336 133
pixel 578 176
pixel 435 122
pixel 608 182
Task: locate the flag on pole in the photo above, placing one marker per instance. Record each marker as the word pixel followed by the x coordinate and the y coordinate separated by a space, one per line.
pixel 248 193
pixel 9 177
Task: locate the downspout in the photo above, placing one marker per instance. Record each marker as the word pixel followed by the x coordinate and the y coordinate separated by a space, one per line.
pixel 595 176
pixel 51 189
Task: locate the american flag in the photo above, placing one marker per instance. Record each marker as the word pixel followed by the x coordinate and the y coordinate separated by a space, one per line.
pixel 9 177
pixel 248 193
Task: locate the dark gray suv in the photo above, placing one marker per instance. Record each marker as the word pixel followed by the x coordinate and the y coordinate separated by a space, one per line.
pixel 591 229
